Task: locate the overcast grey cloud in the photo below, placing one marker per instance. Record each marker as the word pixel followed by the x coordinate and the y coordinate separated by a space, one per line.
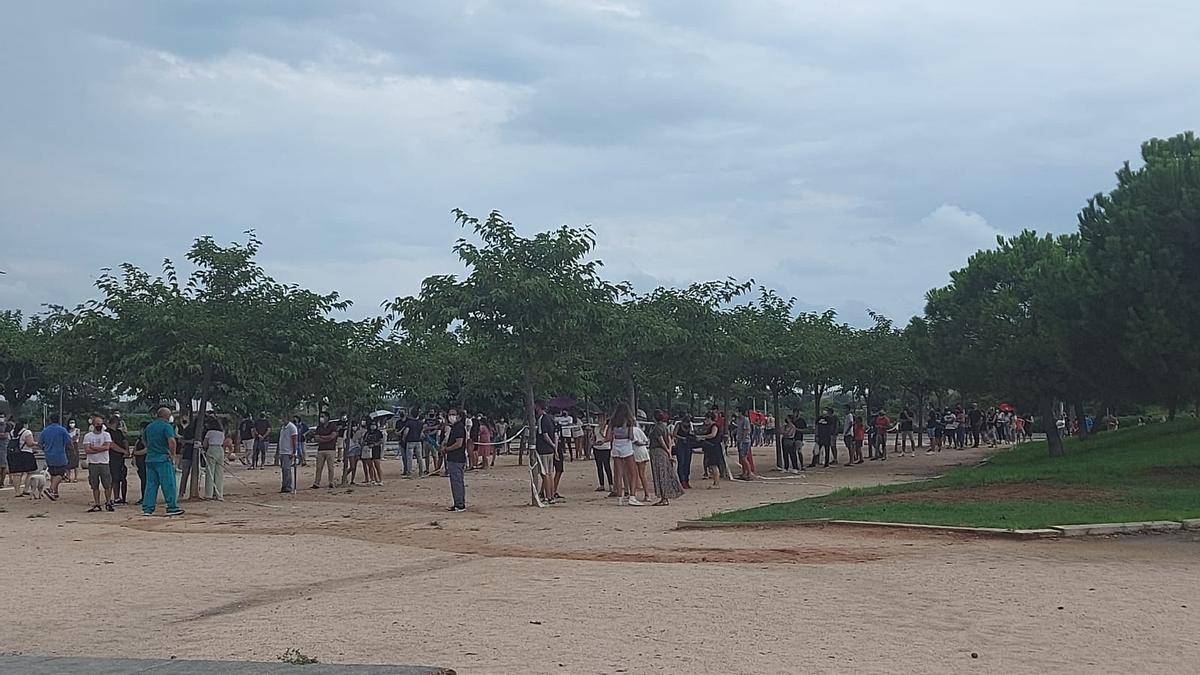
pixel 849 154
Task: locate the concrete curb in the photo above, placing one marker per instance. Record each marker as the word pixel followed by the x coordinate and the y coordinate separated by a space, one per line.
pixel 750 524
pixel 1053 532
pixel 821 522
pixel 1098 529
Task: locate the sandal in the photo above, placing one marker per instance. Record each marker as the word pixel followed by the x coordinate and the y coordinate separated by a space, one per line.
pixel 94 509
pixel 661 502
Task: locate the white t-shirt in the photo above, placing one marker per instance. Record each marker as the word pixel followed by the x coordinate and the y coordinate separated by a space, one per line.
pixel 25 441
pixel 214 437
pixel 285 439
pixel 96 439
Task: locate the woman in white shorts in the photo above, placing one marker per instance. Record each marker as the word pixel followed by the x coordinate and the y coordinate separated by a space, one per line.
pixel 620 437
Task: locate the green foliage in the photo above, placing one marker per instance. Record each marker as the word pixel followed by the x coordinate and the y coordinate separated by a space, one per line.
pixel 1141 244
pixel 229 333
pixel 1136 474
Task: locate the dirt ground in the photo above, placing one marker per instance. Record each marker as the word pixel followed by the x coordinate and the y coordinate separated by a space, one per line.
pixel 385 575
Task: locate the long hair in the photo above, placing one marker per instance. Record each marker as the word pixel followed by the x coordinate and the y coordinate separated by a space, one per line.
pixel 621 417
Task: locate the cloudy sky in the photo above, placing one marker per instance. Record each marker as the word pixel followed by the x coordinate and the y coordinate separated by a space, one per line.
pixel 847 153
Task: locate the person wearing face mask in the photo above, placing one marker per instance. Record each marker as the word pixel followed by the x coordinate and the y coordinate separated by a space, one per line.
pixel 372 453
pixel 288 437
pixel 96 445
pixel 73 453
pixel 455 452
pixel 327 435
pixel 117 456
pixel 353 453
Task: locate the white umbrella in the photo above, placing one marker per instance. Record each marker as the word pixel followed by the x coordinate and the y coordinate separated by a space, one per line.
pixel 381 413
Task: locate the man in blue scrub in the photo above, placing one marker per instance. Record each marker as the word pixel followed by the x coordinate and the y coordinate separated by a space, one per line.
pixel 160 464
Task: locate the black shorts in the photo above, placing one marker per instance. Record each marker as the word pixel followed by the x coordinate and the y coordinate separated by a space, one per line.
pixel 372 453
pixel 714 453
pixel 57 470
pixel 558 463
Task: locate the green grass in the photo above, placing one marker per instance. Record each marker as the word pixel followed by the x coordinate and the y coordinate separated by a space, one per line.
pixel 1146 473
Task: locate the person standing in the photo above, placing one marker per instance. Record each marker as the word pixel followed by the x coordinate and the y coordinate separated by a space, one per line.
pixel 214 460
pixel 787 439
pixel 5 436
pixel 288 437
pixel 848 433
pixel 602 455
pixel 413 439
pixel 73 453
pixel 547 447
pixel 713 444
pixel 118 457
pixel 96 444
pixel 262 439
pixel 905 426
pixel 484 447
pixel 662 464
pixel 685 440
pixel 353 453
pixel 21 458
pixel 403 451
pixel 883 425
pixel 745 442
pixel 160 440
pixel 372 452
pixel 139 461
pixel 455 452
pixel 301 436
pixel 327 435
pixel 975 417
pixel 826 424
pixel 621 437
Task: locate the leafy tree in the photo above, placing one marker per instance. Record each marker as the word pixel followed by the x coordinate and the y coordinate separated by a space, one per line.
pixel 530 296
pixel 1141 243
pixel 229 334
pixel 1000 317
pixel 22 358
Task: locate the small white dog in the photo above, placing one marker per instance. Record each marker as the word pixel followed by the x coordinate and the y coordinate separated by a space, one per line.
pixel 37 483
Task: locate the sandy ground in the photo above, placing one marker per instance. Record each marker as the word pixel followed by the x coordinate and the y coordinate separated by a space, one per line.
pixel 384 575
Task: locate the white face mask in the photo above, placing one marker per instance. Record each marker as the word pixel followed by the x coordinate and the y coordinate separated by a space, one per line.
pixel 171 419
pixel 453 419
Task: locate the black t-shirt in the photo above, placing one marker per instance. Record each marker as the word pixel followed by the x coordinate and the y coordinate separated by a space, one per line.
pixel 546 427
pixel 327 429
pixel 120 441
pixel 415 430
pixel 825 426
pixel 976 416
pixel 906 423
pixel 458 434
pixel 261 427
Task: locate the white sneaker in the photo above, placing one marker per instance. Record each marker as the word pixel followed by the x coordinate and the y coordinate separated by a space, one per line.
pixel 634 501
pixel 621 501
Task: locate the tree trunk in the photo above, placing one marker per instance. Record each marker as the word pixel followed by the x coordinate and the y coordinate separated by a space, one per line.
pixel 630 387
pixel 1053 441
pixel 530 416
pixel 818 393
pixel 198 432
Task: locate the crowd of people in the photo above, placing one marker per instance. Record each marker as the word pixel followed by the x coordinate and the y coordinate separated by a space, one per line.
pixel 637 461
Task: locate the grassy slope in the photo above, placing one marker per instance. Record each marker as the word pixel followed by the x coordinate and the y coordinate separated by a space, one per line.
pixel 1116 462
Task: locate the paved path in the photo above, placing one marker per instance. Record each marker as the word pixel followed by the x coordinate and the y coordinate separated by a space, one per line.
pixel 55 665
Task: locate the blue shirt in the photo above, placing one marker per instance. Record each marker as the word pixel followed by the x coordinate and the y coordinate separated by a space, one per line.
pixel 54 440
pixel 157 435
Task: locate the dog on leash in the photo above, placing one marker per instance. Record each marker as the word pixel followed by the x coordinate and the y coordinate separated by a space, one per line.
pixel 37 483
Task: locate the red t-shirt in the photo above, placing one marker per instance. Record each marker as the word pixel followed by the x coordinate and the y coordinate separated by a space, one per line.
pixel 882 424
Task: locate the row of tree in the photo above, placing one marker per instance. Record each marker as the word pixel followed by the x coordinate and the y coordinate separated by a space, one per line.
pixel 1105 316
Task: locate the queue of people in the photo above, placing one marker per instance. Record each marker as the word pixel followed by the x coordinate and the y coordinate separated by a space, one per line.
pixel 637 462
